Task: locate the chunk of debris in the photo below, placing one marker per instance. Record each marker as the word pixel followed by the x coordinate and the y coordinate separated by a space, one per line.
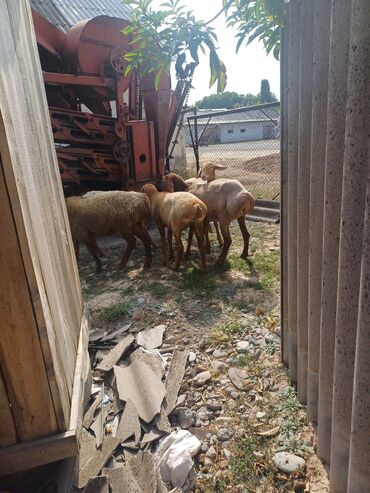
pixel 115 354
pixel 129 424
pixel 122 480
pixel 89 416
pixel 151 338
pixel 97 485
pixel 139 384
pixel 175 457
pixel 151 358
pixel 116 333
pixel 92 462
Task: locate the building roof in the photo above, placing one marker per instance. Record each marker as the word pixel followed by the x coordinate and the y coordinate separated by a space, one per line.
pixel 65 13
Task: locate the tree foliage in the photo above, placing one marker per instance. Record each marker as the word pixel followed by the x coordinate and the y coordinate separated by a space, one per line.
pixel 257 19
pixel 230 100
pixel 227 100
pixel 171 34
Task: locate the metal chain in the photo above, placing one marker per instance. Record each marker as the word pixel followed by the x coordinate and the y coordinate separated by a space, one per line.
pixel 180 122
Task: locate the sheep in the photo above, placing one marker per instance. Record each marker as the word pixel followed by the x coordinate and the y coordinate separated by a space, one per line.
pixel 226 200
pixel 177 211
pixel 107 213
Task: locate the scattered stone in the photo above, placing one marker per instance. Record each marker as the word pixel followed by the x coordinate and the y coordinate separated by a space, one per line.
pixel 204 447
pixel 234 395
pixel 224 434
pixel 218 354
pixel 227 454
pixel 219 366
pixel 202 378
pixel 242 347
pixel 288 463
pixel 207 461
pixel 170 340
pixel 203 414
pixel 213 440
pixel 238 378
pixel 214 405
pixel 258 455
pixel 192 357
pixel 141 301
pixel 185 418
pixel 260 415
pixel 181 400
pixel 211 453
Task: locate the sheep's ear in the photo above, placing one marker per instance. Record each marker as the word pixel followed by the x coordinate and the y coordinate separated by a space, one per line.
pixel 219 166
pixel 170 184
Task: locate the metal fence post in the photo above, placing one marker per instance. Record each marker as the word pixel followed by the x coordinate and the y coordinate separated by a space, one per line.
pixel 196 140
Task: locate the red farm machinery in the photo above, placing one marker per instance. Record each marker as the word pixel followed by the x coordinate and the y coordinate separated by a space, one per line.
pixel 111 131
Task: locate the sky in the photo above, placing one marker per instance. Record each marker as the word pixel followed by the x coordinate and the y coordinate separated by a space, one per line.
pixel 245 70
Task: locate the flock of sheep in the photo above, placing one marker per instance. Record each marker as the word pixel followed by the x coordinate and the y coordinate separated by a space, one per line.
pixel 193 204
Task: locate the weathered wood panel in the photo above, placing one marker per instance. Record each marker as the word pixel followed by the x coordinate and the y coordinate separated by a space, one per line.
pixel 21 357
pixel 8 434
pixel 34 186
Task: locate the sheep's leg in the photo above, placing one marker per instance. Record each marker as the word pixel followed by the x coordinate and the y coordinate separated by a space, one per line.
pixel 206 229
pixel 202 248
pixel 225 230
pixel 179 251
pixel 246 236
pixel 170 246
pixel 218 232
pixel 143 235
pixel 190 241
pixel 131 242
pixel 163 244
pixel 91 248
pixel 97 249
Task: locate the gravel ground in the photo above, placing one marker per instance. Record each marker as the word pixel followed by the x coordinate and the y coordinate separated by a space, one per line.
pixel 235 395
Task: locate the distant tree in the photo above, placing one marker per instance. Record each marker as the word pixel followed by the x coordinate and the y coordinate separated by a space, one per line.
pixel 227 100
pixel 265 95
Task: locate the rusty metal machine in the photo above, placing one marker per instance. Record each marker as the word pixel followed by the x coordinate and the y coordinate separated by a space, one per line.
pixel 111 131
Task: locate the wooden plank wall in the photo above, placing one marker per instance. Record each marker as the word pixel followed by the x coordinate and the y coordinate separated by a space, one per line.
pixel 35 194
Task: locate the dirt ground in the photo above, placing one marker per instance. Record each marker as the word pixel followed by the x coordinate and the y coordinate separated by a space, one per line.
pixel 260 173
pixel 229 320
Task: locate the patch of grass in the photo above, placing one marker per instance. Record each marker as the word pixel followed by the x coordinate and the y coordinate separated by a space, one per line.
pixel 128 291
pixel 267 265
pixel 243 465
pixel 232 327
pixel 288 401
pixel 218 337
pixel 244 360
pixel 116 311
pixel 199 282
pixel 158 289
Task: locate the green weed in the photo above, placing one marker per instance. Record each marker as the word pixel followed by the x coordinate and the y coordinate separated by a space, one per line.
pixel 116 311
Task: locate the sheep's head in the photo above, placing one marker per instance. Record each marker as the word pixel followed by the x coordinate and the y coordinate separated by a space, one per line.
pixel 208 171
pixel 149 190
pixel 174 183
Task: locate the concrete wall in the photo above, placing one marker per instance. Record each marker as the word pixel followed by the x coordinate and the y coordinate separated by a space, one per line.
pixel 326 227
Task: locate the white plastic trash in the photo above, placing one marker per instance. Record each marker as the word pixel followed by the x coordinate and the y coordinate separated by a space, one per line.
pixel 175 457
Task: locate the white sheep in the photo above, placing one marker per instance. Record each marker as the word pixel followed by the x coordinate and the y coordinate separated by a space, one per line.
pixel 107 213
pixel 225 199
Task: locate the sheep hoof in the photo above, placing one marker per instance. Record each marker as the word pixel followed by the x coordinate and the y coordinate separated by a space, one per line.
pixel 174 267
pixel 219 264
pixel 244 256
pixel 147 265
pixel 187 256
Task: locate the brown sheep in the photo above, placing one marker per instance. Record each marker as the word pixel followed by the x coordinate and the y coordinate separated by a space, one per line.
pixel 177 211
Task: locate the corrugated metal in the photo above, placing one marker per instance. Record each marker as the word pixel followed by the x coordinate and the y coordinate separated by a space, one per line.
pixel 65 13
pixel 335 189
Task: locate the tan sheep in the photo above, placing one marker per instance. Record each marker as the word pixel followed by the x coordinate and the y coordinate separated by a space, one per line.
pixel 177 211
pixel 226 200
pixel 107 213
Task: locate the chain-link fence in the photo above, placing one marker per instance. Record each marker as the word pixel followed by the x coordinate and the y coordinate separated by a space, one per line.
pixel 246 140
